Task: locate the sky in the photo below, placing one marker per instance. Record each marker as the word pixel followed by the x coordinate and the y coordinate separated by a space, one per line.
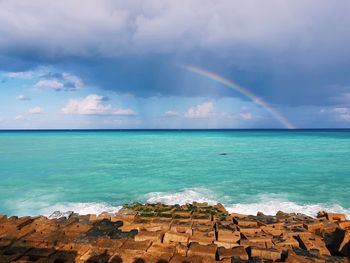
pixel 74 64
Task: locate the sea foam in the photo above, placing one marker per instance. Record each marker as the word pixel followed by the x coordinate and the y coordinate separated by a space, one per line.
pixel 272 206
pixel 269 204
pixel 186 196
pixel 80 208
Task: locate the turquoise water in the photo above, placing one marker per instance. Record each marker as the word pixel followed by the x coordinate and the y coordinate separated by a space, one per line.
pixel 92 171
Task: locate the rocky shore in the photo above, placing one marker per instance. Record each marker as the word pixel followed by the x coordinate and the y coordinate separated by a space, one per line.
pixel 161 233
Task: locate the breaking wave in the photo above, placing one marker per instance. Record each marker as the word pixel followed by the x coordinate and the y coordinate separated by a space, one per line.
pixel 186 196
pixel 272 206
pixel 269 204
pixel 80 208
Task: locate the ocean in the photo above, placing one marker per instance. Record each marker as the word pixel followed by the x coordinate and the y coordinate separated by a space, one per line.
pixel 246 170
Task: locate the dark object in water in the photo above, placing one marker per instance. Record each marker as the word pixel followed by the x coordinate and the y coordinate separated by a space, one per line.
pixel 223 153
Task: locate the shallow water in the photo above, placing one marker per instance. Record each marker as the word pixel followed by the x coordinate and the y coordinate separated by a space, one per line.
pixel 248 171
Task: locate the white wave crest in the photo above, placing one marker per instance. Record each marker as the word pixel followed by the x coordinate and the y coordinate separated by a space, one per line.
pixel 184 197
pixel 80 208
pixel 271 207
pixel 269 204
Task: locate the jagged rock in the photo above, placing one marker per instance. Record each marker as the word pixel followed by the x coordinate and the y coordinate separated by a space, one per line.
pixel 176 237
pixel 196 249
pixel 59 214
pixel 192 233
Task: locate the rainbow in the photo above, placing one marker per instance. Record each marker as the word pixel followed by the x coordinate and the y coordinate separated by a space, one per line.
pixel 234 86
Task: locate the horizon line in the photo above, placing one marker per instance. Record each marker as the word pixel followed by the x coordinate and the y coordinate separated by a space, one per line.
pixel 173 129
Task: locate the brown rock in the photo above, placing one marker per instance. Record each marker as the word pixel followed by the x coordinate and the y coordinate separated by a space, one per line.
pixel 225 253
pixel 313 243
pixel 76 229
pixel 220 208
pixel 344 225
pixel 78 248
pixel 328 227
pixel 321 214
pixel 282 215
pixel 225 244
pixel 236 215
pixel 201 217
pixel 5 242
pixel 203 238
pixel 291 237
pixel 293 225
pixel 245 222
pixel 148 235
pixel 127 256
pixel 92 217
pixel 140 223
pixel 338 242
pixel 246 243
pixel 285 242
pixel 314 226
pixel 154 258
pixel 182 214
pixel 159 249
pixel 180 226
pixel 40 252
pixel 272 231
pixel 228 236
pixel 182 259
pixel 258 237
pixel 160 224
pixel 240 252
pixel 265 253
pixel 11 253
pixel 197 204
pixel 181 250
pixel 108 243
pixel 333 217
pixel 344 246
pixel 294 258
pixel 93 255
pixel 295 232
pixel 125 215
pixel 203 226
pixel 162 248
pixel 176 237
pixel 276 225
pixel 136 245
pixel 196 249
pixel 249 230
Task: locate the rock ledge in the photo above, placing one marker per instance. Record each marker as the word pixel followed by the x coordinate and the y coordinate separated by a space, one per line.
pixel 194 232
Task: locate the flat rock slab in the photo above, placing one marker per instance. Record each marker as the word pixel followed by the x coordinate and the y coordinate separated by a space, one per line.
pixel 194 232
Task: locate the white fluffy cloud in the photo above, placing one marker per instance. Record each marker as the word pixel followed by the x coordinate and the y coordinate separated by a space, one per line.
pixel 94 105
pixel 171 113
pixel 36 110
pixel 59 81
pixel 22 97
pixel 246 115
pixel 204 110
pixel 20 75
pixel 19 118
pixel 342 113
pixel 49 83
pixel 75 80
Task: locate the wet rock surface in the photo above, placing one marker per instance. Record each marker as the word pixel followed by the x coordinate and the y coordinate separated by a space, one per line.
pixel 195 232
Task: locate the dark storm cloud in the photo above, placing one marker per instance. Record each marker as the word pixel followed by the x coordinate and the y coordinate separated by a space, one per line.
pixel 288 52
